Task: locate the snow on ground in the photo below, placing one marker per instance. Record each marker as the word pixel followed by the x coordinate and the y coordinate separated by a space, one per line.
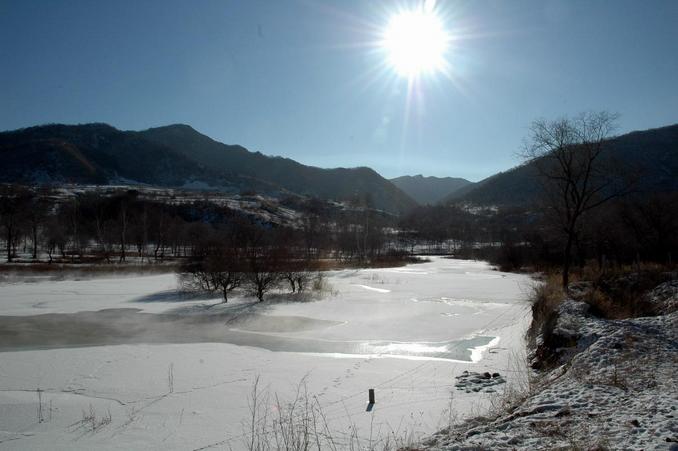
pixel 407 332
pixel 41 294
pixel 617 391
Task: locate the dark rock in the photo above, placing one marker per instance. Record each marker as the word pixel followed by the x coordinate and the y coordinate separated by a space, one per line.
pixel 478 382
pixel 563 413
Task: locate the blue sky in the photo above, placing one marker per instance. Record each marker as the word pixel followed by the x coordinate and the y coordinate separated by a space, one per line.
pixel 307 80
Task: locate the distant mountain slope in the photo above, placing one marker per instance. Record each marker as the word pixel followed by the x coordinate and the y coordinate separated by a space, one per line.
pixel 91 153
pixel 339 183
pixel 653 152
pixel 429 190
pixel 176 156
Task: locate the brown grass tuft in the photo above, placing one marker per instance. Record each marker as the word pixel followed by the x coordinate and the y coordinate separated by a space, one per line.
pixel 546 296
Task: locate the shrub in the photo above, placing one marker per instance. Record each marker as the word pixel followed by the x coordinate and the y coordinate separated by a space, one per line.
pixel 622 295
pixel 546 296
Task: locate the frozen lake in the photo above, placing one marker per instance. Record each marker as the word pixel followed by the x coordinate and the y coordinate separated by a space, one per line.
pixel 112 343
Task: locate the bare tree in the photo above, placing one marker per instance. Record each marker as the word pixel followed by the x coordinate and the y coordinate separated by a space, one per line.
pixel 54 237
pixel 13 204
pixel 263 272
pixel 216 265
pixel 296 274
pixel 36 215
pixel 225 269
pixel 577 174
pixel 122 214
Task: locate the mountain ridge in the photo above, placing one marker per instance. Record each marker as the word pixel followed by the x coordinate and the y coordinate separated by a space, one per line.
pixel 652 152
pixel 338 183
pixel 178 156
pixel 429 189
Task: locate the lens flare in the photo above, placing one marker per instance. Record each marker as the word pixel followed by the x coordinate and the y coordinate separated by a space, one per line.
pixel 416 42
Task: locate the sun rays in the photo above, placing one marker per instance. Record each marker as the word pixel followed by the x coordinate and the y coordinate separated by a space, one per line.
pixel 416 42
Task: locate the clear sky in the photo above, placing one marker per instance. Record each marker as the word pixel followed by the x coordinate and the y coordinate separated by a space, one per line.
pixel 308 79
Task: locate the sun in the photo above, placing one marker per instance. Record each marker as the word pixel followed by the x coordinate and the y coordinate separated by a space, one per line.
pixel 416 42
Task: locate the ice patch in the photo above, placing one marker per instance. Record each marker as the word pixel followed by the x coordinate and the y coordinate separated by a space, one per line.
pixel 282 324
pixel 471 303
pixel 482 275
pixel 404 271
pixel 378 290
pixel 458 350
pixel 477 352
pixel 407 348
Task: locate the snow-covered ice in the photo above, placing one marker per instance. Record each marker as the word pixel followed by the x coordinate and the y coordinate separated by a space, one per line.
pixel 407 332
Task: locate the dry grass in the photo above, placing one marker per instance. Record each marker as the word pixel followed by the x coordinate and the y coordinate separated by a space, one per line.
pixel 592 271
pixel 617 293
pixel 91 422
pixel 546 296
pixel 621 295
pixel 300 424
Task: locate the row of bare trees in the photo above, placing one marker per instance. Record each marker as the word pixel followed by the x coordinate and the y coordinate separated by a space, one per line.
pixel 45 225
pixel 258 264
pixel 90 227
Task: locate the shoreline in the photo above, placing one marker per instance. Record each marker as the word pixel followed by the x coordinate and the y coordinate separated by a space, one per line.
pixel 613 388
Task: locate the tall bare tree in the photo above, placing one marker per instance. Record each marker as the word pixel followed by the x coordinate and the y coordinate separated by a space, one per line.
pixel 263 272
pixel 219 269
pixel 577 173
pixel 13 205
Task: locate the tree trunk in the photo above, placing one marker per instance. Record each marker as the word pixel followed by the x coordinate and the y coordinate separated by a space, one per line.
pixel 9 243
pixel 123 233
pixel 35 241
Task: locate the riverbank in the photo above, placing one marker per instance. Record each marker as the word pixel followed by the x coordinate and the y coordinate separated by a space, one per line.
pixel 612 386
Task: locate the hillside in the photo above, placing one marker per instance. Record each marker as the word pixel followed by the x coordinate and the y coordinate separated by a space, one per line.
pixel 177 156
pixel 654 153
pixel 429 190
pixel 92 153
pixel 339 183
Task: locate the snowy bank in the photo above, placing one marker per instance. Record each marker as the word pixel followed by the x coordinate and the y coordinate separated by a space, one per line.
pixel 616 389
